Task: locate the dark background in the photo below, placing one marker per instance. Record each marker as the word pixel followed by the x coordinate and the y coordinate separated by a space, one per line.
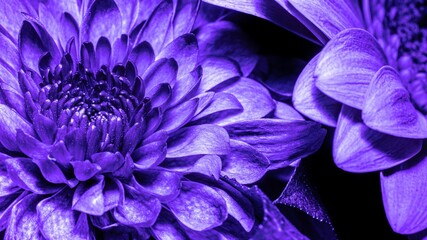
pixel 352 201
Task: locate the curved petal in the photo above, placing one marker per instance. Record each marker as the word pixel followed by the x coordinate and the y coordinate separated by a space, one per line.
pixel 404 193
pixel 217 70
pixel 219 104
pixel 163 184
pixel 23 222
pixel 103 18
pixel 224 38
pixel 199 139
pixel 244 163
pixel 277 139
pixel 185 16
pixel 88 197
pixel 35 41
pixel 12 16
pixel 27 175
pixel 199 207
pixel 57 220
pixel 310 101
pixel 358 148
pixel 388 107
pixel 184 50
pixel 138 209
pixel 161 71
pixel 255 99
pixel 142 55
pixel 157 26
pixel 330 16
pixel 176 117
pixel 347 64
pixel 286 112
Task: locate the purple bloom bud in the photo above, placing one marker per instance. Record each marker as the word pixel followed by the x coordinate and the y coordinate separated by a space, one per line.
pixel 122 119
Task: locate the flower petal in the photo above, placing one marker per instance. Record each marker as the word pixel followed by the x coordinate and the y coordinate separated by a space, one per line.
pixel 10 122
pixel 310 101
pixel 150 154
pixel 286 112
pixel 185 16
pixel 217 70
pixel 88 197
pixel 142 56
pixel 330 16
pixel 199 139
pixel 138 209
pixel 358 148
pixel 404 193
pixel 221 103
pixel 347 64
pixel 7 186
pixel 27 175
pixel 14 17
pixel 224 38
pixel 199 207
pixel 84 170
pixel 103 52
pixel 35 41
pixel 255 99
pixel 184 50
pixel 23 222
pixel 167 227
pixel 388 107
pixel 103 19
pixel 238 206
pixel 32 147
pixel 176 117
pixel 244 163
pixel 157 26
pixel 161 71
pixel 277 139
pixel 269 10
pixel 45 128
pixel 57 220
pixel 163 184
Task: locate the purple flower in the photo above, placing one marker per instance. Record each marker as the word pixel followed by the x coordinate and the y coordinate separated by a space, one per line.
pixel 370 82
pixel 117 122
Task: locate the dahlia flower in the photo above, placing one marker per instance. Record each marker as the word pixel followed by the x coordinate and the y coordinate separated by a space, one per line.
pixel 120 120
pixel 370 82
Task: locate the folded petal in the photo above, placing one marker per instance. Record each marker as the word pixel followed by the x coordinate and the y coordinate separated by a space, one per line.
pixel 88 197
pixel 255 99
pixel 200 139
pixel 150 154
pixel 347 64
pixel 221 103
pixel 138 209
pixel 160 94
pixel 162 71
pixel 176 117
pixel 330 16
pixel 244 163
pixel 199 207
pixel 23 222
pixel 7 186
pixel 158 25
pixel 224 38
pixel 163 184
pixel 217 70
pixel 103 52
pixel 388 107
pixel 358 148
pixel 310 101
pixel 14 17
pixel 277 139
pixel 185 16
pixel 103 19
pixel 56 218
pixel 35 41
pixel 31 146
pixel 142 55
pixel 10 122
pixel 404 193
pixel 184 50
pixel 286 112
pixel 45 128
pixel 167 227
pixel 27 175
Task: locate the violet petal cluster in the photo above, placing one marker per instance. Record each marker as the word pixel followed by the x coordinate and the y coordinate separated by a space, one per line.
pixel 370 82
pixel 120 119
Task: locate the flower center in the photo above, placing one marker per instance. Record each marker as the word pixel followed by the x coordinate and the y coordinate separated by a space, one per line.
pixel 108 102
pixel 406 28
